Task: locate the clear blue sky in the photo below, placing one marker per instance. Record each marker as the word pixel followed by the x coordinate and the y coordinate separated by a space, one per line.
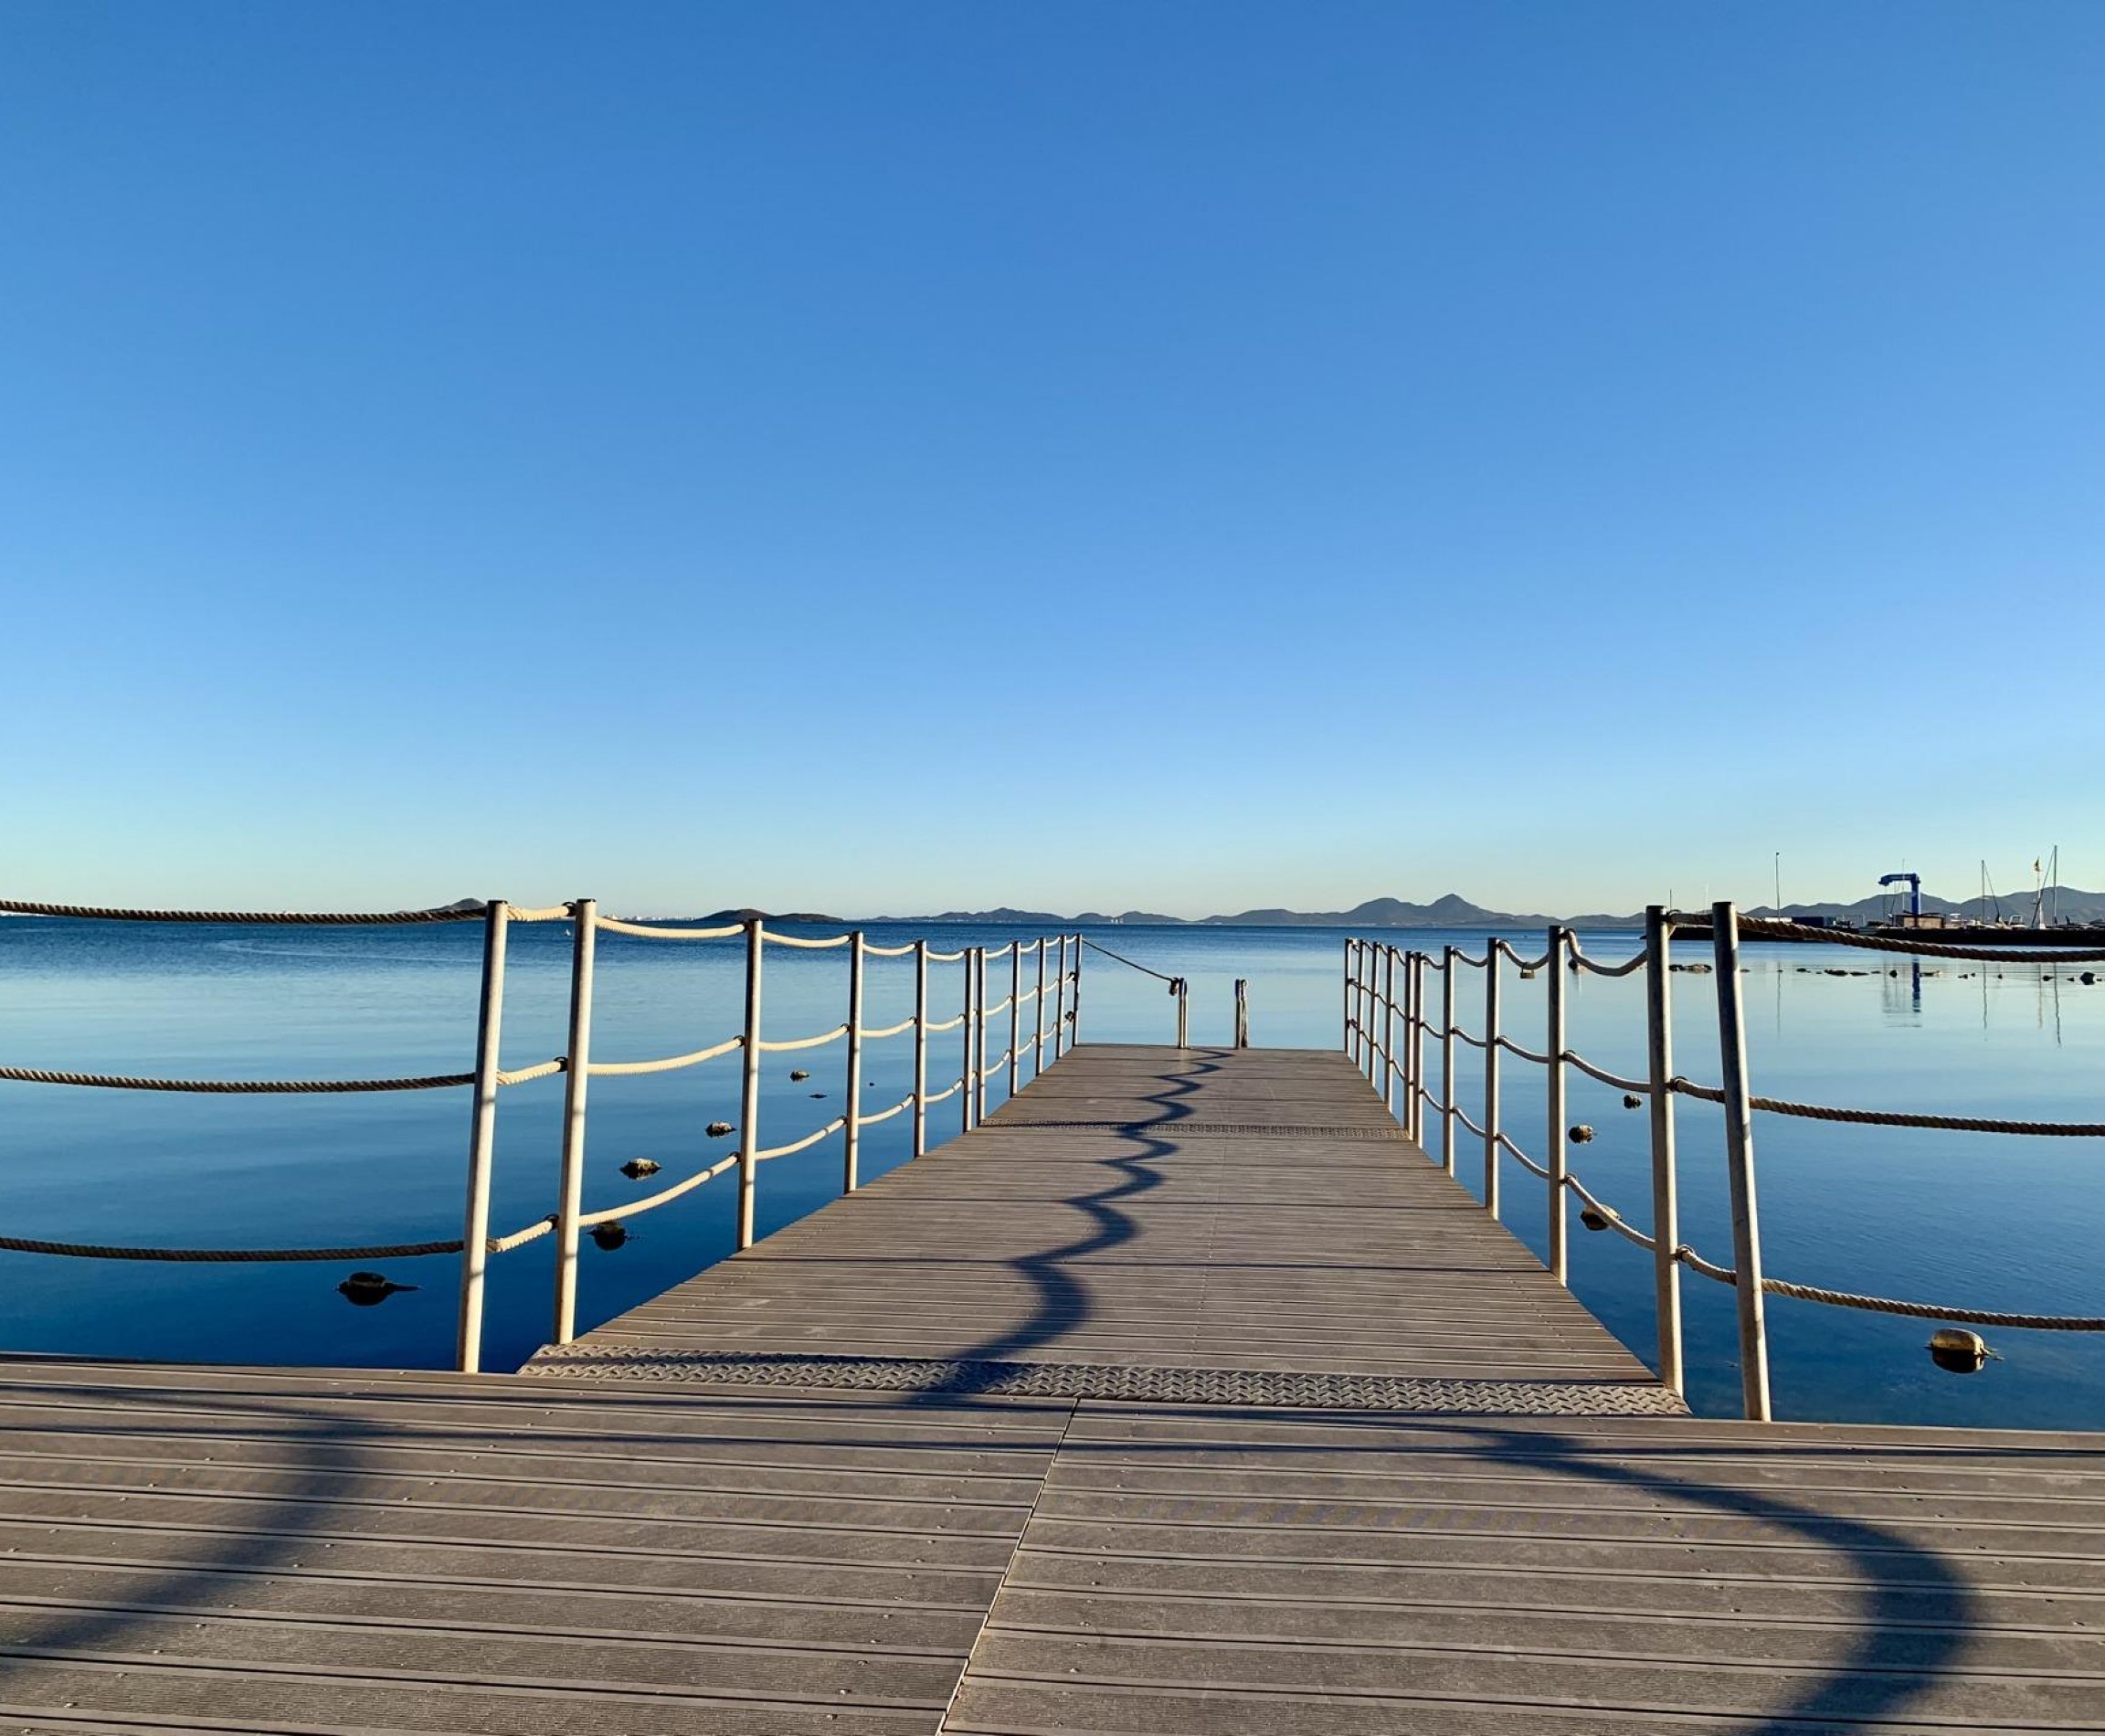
pixel 1177 455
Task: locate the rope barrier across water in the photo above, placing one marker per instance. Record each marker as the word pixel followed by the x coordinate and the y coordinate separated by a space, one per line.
pixel 1769 929
pixel 1896 1118
pixel 473 912
pixel 617 1069
pixel 1128 963
pixel 1688 1257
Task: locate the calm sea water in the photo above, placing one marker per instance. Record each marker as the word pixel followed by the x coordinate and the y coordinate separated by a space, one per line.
pixel 2004 1224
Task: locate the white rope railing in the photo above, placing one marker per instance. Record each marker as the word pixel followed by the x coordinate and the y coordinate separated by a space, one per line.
pixel 469 912
pixel 804 1144
pixel 794 1044
pixel 669 1064
pixel 660 931
pixel 889 1031
pixel 664 1196
pixel 775 938
pixel 904 1103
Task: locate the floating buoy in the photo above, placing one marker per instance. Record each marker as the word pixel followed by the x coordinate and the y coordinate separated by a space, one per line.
pixel 1954 1348
pixel 2089 976
pixel 1595 1217
pixel 1630 1100
pixel 636 1169
pixel 363 1289
pixel 818 1096
pixel 798 1076
pixel 1581 1135
pixel 610 1235
pixel 717 1130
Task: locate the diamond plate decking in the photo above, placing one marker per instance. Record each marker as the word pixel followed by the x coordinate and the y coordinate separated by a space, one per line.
pixel 1184 1399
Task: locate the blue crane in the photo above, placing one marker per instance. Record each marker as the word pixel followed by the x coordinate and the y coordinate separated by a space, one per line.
pixel 1914 889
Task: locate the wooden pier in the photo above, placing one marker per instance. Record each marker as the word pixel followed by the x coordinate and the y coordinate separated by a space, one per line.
pixel 1184 1397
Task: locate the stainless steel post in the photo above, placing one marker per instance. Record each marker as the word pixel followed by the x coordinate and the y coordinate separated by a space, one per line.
pixel 1345 978
pixel 1491 1078
pixel 1074 1000
pixel 1417 1063
pixel 1242 1012
pixel 1060 1004
pixel 1553 1094
pixel 1740 1164
pixel 852 1140
pixel 1038 1016
pixel 481 1139
pixel 1015 1011
pixel 1183 1013
pixel 971 1067
pixel 750 1100
pixel 577 1075
pixel 1447 1061
pixel 1666 1211
pixel 920 1047
pixel 1388 1027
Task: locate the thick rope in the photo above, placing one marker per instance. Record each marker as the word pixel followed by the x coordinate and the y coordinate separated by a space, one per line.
pixel 651 1202
pixel 1462 1116
pixel 650 931
pixel 957 1085
pixel 121 1081
pixel 458 912
pixel 520 1238
pixel 1511 1047
pixel 1461 958
pixel 1895 1119
pixel 946 957
pixel 1526 1162
pixel 1123 959
pixel 1688 1257
pixel 1584 963
pixel 823 1038
pixel 871 950
pixel 1475 1043
pixel 1543 963
pixel 889 1031
pixel 547 912
pixel 1640 1087
pixel 948 1024
pixel 804 1144
pixel 1617 1221
pixel 1769 929
pixel 615 1069
pixel 871 1120
pixel 774 939
pixel 525 1075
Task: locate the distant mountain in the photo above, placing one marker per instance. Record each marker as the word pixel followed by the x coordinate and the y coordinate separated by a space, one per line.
pixel 764 915
pixel 1453 911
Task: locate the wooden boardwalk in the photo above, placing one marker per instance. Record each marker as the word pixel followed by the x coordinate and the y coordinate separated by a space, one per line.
pixel 1182 1398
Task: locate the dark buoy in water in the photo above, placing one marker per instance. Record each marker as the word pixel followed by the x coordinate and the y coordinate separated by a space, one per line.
pixel 1630 1100
pixel 610 1235
pixel 1959 1352
pixel 798 1076
pixel 1595 1217
pixel 717 1130
pixel 636 1169
pixel 818 1095
pixel 363 1289
pixel 1581 1135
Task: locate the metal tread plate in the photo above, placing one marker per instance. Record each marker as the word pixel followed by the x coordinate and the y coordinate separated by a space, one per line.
pixel 1285 1388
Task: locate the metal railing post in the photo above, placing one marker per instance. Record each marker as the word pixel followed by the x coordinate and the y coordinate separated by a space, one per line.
pixel 1554 1095
pixel 750 1100
pixel 1666 1211
pixel 920 1047
pixel 1491 1078
pixel 971 1067
pixel 1447 1060
pixel 1060 1004
pixel 851 1142
pixel 482 1140
pixel 1075 999
pixel 1038 1016
pixel 1345 978
pixel 577 1072
pixel 1388 1027
pixel 1183 1013
pixel 1740 1164
pixel 1417 1060
pixel 1015 1011
pixel 1242 1012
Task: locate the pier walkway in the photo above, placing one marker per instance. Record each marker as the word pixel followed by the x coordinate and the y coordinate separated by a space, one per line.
pixel 1184 1397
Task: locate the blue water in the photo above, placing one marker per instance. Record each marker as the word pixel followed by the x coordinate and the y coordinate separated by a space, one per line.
pixel 1956 1218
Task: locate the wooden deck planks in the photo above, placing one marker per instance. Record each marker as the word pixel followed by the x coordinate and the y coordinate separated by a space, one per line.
pixel 315 1551
pixel 1121 1212
pixel 262 1549
pixel 1202 1572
